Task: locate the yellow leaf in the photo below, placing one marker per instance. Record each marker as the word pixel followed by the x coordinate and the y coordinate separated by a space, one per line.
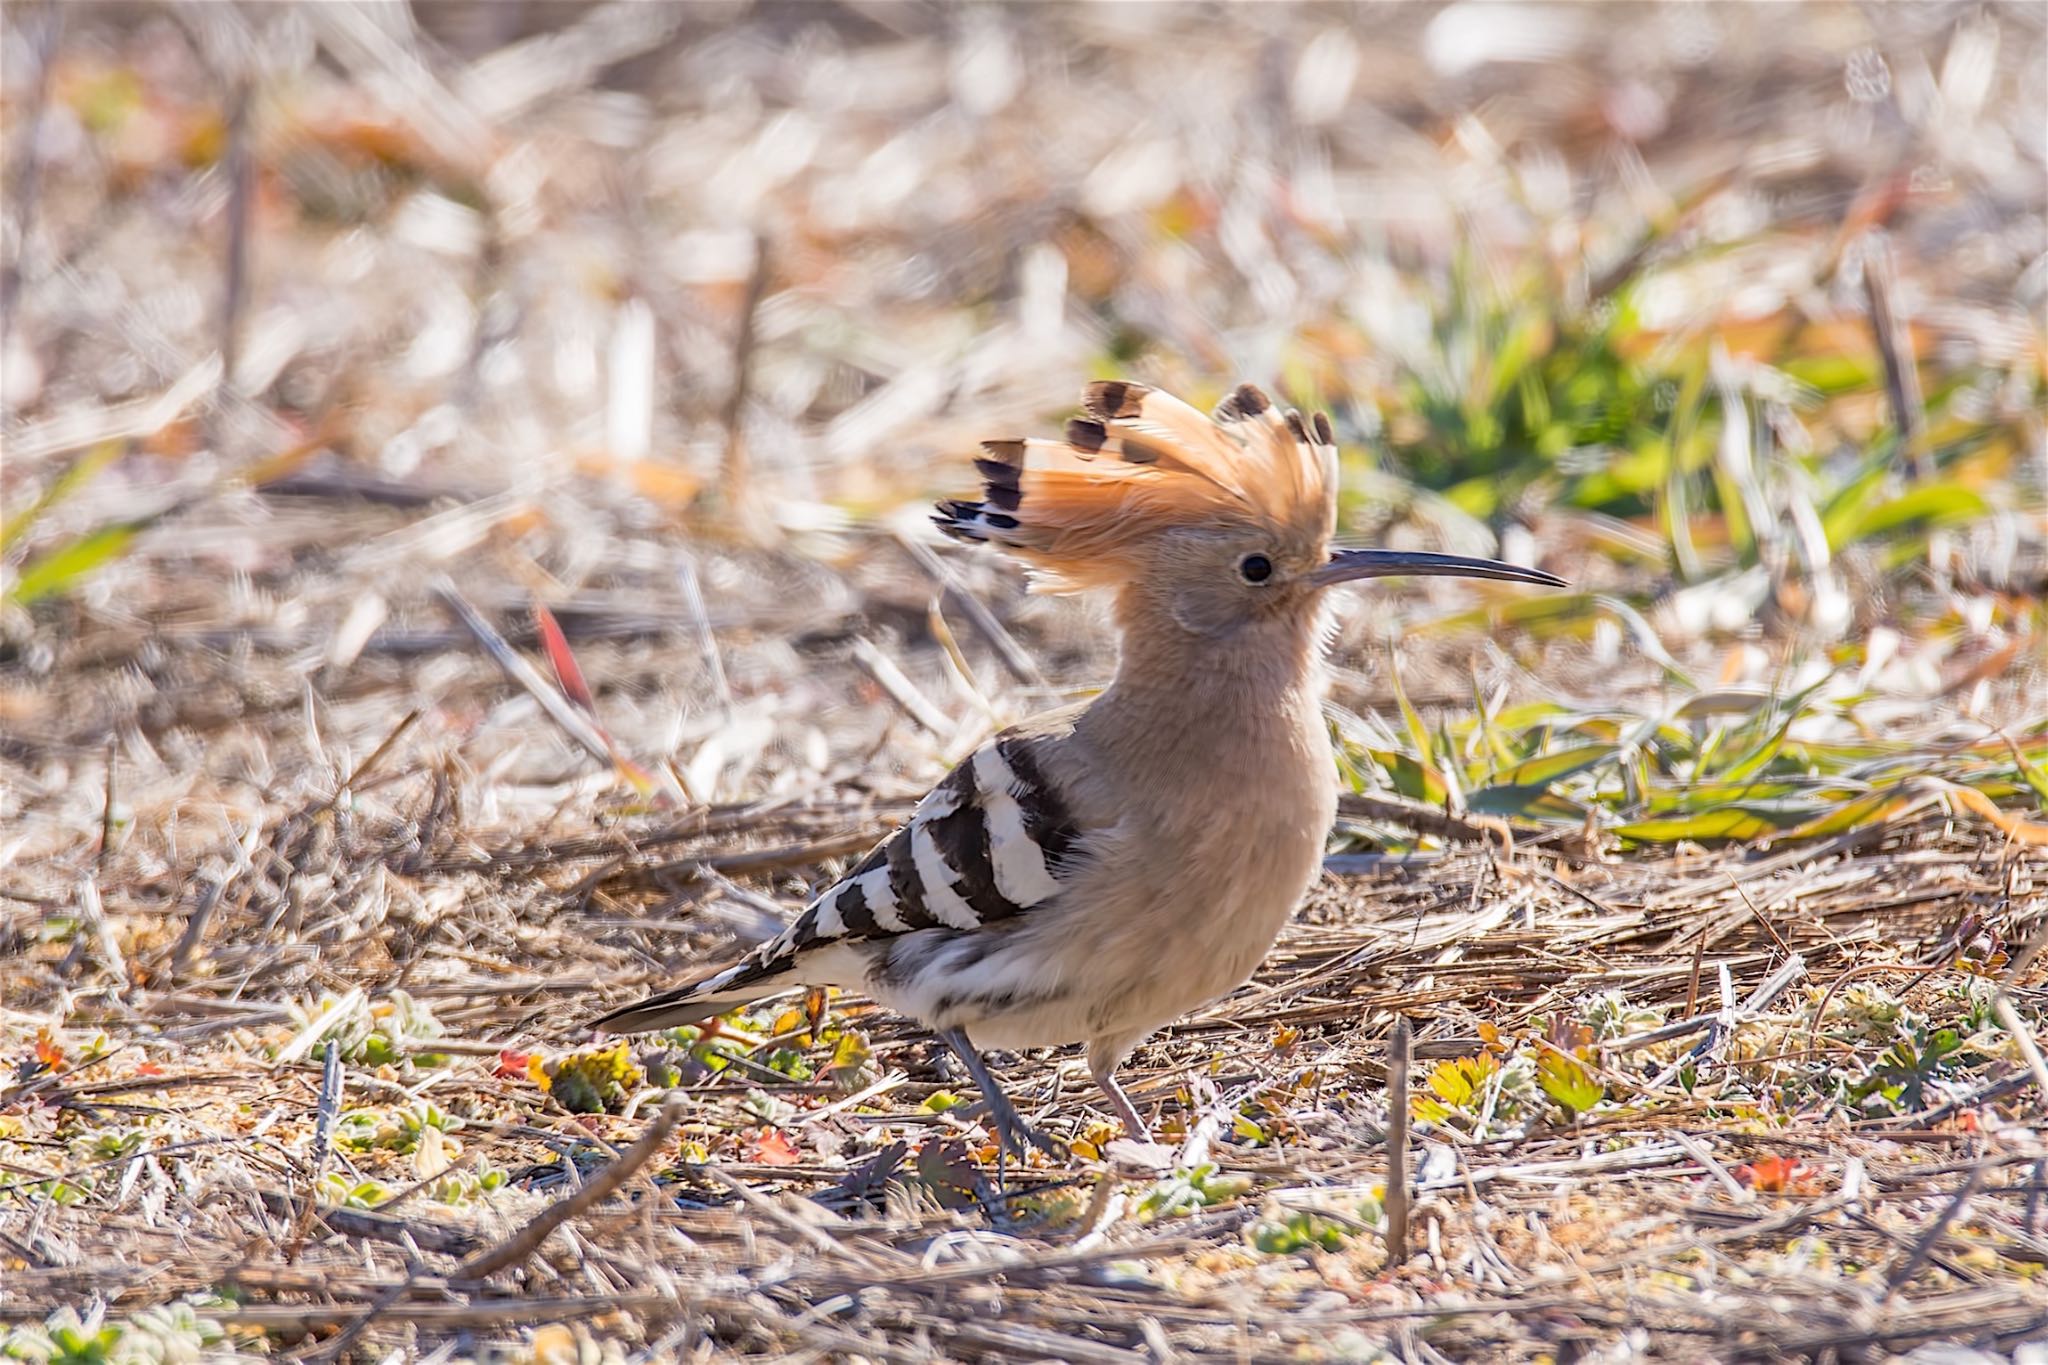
pixel 1461 1080
pixel 553 1344
pixel 2011 826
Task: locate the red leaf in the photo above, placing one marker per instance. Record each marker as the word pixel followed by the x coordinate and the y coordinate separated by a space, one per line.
pixel 511 1065
pixel 773 1148
pixel 569 675
pixel 1777 1175
pixel 567 672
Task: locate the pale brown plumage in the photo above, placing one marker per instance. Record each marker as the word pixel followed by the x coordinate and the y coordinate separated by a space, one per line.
pixel 1093 874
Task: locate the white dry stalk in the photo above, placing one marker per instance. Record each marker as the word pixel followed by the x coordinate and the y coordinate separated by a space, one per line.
pixel 1712 1164
pixel 905 693
pixel 301 1046
pixel 95 916
pixel 892 1081
pixel 2030 1048
pixel 73 430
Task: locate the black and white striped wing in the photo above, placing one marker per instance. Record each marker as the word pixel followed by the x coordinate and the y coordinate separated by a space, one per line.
pixel 989 843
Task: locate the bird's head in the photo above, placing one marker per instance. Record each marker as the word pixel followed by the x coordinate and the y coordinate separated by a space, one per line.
pixel 1214 523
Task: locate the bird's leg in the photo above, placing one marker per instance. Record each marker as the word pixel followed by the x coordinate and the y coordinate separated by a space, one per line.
pixel 1013 1134
pixel 1105 1055
pixel 1134 1122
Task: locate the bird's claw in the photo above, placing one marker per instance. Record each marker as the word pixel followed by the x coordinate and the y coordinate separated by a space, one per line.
pixel 1014 1136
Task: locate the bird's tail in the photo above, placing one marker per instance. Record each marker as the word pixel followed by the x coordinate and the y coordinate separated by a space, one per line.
pixel 742 983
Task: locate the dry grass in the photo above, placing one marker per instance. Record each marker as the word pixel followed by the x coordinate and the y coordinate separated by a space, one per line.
pixel 303 899
pixel 174 1144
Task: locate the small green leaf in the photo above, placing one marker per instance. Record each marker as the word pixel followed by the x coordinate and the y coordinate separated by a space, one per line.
pixel 1865 811
pixel 1554 767
pixel 2034 774
pixel 63 486
pixel 1732 822
pixel 1941 504
pixel 60 568
pixel 1418 733
pixel 1298 1232
pixel 1413 778
pixel 1529 803
pixel 1459 1082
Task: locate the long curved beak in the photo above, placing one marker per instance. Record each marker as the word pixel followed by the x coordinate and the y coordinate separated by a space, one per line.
pixel 1346 565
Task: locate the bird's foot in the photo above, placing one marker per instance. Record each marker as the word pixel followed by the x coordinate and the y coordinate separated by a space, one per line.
pixel 1013 1135
pixel 1135 1127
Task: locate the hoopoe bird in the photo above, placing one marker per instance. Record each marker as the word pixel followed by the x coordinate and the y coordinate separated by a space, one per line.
pixel 1094 873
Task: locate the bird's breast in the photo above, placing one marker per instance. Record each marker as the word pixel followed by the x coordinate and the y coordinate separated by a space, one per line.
pixel 1183 897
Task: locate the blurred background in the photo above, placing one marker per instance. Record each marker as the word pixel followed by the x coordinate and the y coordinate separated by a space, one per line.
pixel 673 317
pixel 464 472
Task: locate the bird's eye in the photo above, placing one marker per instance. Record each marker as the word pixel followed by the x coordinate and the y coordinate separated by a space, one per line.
pixel 1255 568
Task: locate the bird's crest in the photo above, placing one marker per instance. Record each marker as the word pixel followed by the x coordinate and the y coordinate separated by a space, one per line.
pixel 1138 461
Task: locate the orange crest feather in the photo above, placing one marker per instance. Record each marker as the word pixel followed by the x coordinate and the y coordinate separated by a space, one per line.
pixel 1140 461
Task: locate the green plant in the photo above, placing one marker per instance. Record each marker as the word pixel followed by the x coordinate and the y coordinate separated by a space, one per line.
pixel 64 1338
pixel 1297 1232
pixel 1197 1187
pixel 384 1031
pixel 1731 765
pixel 1569 1082
pixel 1516 390
pixel 1529 389
pixel 1899 1079
pixel 397 1130
pixel 169 1334
pixel 1473 1093
pixel 352 1193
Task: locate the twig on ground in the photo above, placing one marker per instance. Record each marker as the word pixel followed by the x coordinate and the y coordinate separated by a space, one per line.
pixel 1910 1265
pixel 241 175
pixel 905 693
pixel 736 464
pixel 1399 1049
pixel 700 622
pixel 1425 819
pixel 528 1239
pixel 1895 348
pixel 2001 1006
pixel 1014 656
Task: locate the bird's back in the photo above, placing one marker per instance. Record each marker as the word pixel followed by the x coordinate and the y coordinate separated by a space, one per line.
pixel 1041 895
pixel 992 847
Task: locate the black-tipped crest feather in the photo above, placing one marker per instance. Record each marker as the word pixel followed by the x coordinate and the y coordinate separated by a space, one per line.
pixel 1138 461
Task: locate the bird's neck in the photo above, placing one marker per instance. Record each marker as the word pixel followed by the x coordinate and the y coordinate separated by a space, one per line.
pixel 1245 706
